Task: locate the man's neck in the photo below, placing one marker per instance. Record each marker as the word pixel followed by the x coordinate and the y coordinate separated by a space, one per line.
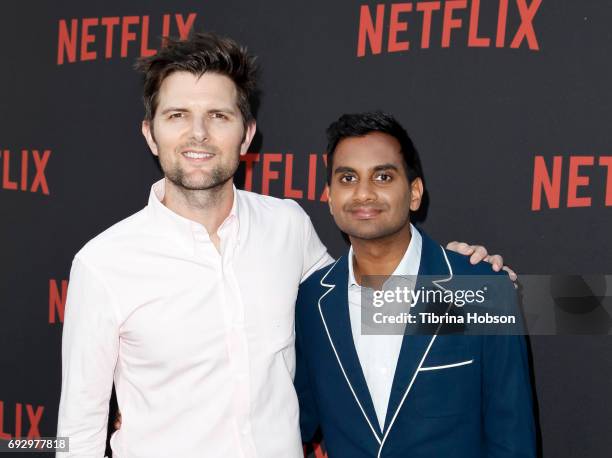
pixel 380 256
pixel 208 207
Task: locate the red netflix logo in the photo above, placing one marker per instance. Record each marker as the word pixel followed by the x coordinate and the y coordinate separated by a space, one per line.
pixel 317 451
pixel 547 180
pixel 57 300
pixel 76 39
pixel 17 168
pixel 396 19
pixel 272 167
pixel 16 413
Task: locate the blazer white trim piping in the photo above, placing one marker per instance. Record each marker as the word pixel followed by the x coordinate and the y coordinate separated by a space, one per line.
pixel 331 287
pixel 446 366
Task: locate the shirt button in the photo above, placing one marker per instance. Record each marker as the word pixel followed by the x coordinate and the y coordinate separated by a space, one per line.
pixel 245 430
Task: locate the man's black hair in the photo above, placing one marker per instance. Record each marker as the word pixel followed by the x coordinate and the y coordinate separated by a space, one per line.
pixel 361 124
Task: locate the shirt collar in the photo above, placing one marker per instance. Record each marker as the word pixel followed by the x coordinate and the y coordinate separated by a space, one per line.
pixel 190 231
pixel 409 265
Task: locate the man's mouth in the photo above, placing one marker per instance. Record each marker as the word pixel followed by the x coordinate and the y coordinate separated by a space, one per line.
pixel 365 213
pixel 197 155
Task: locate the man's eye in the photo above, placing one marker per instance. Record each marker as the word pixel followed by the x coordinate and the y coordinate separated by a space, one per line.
pixel 219 116
pixel 176 115
pixel 348 179
pixel 383 177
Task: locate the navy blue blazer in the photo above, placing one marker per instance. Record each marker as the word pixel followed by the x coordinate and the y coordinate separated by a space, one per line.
pixel 481 407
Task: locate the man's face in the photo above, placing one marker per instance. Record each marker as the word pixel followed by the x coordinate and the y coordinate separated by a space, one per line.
pixel 369 195
pixel 198 131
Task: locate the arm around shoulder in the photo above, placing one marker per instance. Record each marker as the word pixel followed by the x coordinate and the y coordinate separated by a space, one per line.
pixel 315 255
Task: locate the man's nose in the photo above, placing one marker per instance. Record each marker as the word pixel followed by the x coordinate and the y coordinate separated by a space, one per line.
pixel 199 129
pixel 365 192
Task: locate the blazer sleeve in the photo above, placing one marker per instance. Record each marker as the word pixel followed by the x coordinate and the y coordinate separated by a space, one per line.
pixel 507 395
pixel 309 415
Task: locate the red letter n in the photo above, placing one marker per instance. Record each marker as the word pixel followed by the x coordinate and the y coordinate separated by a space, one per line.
pixel 368 32
pixel 57 302
pixel 67 42
pixel 542 180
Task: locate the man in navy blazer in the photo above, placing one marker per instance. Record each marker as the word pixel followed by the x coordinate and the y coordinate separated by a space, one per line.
pixel 428 395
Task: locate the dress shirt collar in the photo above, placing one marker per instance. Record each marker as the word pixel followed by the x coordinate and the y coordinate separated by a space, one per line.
pixel 187 230
pixel 409 265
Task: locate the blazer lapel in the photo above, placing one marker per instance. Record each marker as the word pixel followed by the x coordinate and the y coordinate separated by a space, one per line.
pixel 334 310
pixel 415 346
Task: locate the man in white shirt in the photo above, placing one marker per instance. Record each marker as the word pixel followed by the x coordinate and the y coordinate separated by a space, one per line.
pixel 188 305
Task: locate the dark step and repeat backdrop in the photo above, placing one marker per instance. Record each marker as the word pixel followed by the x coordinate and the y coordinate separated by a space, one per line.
pixel 508 101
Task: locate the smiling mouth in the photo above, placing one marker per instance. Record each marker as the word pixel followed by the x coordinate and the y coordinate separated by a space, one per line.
pixel 197 155
pixel 365 213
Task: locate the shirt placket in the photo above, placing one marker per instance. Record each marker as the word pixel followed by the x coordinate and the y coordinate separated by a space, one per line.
pixel 238 349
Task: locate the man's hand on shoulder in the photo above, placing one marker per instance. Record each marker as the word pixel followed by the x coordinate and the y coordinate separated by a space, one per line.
pixel 479 253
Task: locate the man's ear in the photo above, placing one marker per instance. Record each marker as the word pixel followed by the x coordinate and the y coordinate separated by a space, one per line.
pixel 329 200
pixel 251 128
pixel 147 132
pixel 416 194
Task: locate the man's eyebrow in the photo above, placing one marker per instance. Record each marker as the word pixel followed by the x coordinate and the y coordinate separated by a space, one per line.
pixel 228 110
pixel 389 166
pixel 343 169
pixel 177 109
pixel 378 168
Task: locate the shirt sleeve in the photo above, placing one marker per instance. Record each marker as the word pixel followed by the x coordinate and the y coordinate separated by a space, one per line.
pixel 90 344
pixel 315 253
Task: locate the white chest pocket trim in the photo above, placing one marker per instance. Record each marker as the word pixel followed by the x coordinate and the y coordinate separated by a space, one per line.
pixel 446 366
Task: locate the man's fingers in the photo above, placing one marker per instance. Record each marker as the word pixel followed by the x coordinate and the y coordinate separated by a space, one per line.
pixel 511 274
pixel 496 261
pixel 480 254
pixel 461 248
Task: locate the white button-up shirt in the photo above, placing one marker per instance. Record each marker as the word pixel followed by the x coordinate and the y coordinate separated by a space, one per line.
pixel 200 344
pixel 378 354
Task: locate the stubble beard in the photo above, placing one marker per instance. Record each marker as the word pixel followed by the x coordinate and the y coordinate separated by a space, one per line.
pixel 202 181
pixel 218 176
pixel 202 190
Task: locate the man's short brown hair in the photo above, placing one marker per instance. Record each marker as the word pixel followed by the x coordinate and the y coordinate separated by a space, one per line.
pixel 201 53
